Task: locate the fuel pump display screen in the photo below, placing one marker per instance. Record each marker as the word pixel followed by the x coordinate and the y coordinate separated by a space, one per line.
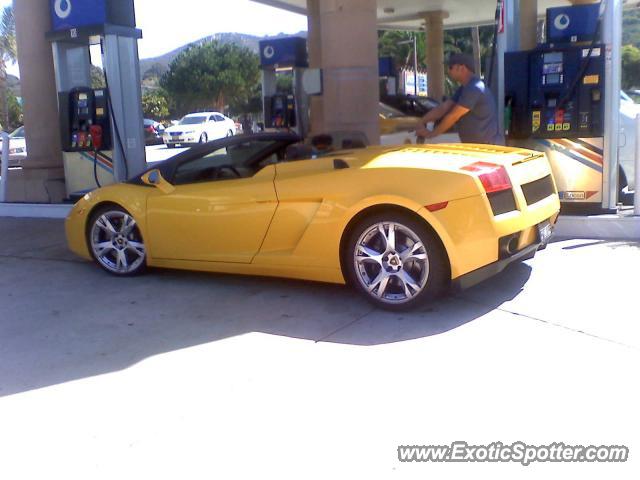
pixel 554 57
pixel 554 79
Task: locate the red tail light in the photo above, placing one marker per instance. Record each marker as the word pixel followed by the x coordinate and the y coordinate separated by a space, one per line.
pixel 494 177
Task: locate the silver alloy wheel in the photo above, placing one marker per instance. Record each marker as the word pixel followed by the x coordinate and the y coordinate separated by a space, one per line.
pixel 391 262
pixel 116 242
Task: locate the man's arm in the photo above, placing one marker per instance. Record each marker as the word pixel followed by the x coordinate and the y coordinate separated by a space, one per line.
pixel 438 112
pixel 450 120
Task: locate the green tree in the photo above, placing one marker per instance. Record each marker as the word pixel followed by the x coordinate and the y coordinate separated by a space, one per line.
pixel 157 70
pixel 284 84
pixel 211 75
pixel 631 27
pixel 155 105
pixel 8 53
pixel 389 45
pixel 97 77
pixel 252 104
pixel 15 111
pixel 630 67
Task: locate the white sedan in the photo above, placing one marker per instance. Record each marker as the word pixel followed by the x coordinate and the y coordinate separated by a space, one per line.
pixel 199 128
pixel 17 148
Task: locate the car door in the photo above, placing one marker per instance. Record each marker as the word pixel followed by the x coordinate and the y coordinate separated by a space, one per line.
pixel 213 215
pixel 212 128
pixel 221 126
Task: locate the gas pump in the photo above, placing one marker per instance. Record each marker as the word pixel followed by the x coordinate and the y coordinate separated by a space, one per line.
pixel 85 122
pixel 101 129
pixel 557 102
pixel 285 111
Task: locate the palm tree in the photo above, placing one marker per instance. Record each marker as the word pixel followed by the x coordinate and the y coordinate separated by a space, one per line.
pixel 8 53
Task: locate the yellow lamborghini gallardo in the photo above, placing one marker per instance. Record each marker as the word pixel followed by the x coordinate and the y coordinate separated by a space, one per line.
pixel 399 223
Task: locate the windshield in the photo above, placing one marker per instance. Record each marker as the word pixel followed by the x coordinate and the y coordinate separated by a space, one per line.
pixel 625 97
pixel 192 120
pixel 390 112
pixel 428 102
pixel 18 133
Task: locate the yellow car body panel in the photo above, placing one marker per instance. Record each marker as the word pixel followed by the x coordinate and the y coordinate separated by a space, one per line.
pixel 223 221
pixel 290 218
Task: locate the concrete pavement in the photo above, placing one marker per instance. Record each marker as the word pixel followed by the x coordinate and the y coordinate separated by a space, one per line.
pixel 180 374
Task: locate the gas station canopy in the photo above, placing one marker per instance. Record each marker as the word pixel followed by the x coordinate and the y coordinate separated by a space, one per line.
pixel 409 14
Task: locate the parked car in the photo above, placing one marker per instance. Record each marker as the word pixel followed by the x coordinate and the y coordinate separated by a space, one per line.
pixel 153 132
pixel 628 113
pixel 411 105
pixel 401 224
pixel 393 120
pixel 17 147
pixel 199 128
pixel 631 95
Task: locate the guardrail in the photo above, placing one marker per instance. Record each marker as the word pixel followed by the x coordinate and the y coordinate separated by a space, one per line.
pixel 4 171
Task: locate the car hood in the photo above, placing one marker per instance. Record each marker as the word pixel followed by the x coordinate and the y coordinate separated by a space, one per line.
pixel 16 143
pixel 629 109
pixel 183 128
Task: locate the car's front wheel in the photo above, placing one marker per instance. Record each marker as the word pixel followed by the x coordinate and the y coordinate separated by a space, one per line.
pixel 395 261
pixel 115 242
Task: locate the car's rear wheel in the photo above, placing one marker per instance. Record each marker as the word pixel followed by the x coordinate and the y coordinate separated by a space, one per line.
pixel 115 242
pixel 396 261
pixel 203 138
pixel 230 133
pixel 171 145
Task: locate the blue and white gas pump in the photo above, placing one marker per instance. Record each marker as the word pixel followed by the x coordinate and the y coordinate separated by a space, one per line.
pixel 101 129
pixel 285 111
pixel 566 100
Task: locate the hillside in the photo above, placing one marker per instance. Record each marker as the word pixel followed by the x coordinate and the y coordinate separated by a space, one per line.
pixel 161 63
pixel 13 83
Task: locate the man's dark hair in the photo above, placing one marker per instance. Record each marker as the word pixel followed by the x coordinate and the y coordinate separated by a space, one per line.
pixel 462 59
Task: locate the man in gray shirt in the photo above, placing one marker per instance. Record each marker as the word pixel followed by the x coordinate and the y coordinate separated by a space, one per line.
pixel 472 108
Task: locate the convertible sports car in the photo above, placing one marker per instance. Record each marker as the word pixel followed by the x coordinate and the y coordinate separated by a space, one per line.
pixel 401 224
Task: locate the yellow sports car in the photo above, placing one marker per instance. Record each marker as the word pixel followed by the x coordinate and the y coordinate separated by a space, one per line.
pixel 401 224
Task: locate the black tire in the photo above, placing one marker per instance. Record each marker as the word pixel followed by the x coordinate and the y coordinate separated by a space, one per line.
pixel 411 281
pixel 230 133
pixel 116 246
pixel 203 138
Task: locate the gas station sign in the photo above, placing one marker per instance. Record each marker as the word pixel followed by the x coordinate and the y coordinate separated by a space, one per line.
pixel 68 14
pixel 422 84
pixel 409 83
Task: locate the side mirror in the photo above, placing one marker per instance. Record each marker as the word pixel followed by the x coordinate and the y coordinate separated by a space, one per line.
pixel 155 179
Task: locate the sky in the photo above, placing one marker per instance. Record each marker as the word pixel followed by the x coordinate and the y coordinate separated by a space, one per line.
pixel 166 27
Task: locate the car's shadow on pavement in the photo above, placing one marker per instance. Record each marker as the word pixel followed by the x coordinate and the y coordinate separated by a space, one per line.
pixel 74 321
